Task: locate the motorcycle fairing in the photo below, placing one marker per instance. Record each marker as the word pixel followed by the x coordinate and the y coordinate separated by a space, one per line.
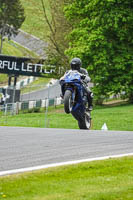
pixel 72 81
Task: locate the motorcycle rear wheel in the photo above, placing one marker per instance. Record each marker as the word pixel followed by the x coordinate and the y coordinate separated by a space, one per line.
pixel 86 123
pixel 68 102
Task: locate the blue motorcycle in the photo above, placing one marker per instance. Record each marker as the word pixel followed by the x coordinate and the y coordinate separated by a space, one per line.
pixel 75 98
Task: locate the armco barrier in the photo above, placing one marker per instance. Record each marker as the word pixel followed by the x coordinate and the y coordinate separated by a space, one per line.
pixel 39 103
pixel 26 105
pixel 9 109
pixel 32 104
pixel 51 102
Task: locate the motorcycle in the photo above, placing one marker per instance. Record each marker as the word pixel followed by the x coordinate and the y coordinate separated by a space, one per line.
pixel 75 98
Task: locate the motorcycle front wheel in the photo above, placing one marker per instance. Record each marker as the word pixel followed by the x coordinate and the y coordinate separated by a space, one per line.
pixel 68 102
pixel 86 123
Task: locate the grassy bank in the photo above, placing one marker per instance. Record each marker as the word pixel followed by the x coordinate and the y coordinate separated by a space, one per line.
pixel 35 23
pixel 117 118
pixel 111 179
pixel 12 49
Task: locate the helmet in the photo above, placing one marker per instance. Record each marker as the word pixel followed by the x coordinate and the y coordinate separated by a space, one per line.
pixel 76 64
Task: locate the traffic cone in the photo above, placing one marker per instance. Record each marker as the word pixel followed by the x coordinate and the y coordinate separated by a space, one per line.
pixel 104 127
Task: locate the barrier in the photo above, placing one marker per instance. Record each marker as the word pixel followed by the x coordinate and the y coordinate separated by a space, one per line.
pixel 13 108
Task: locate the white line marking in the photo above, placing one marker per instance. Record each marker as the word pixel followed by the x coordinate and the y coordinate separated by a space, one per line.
pixel 28 169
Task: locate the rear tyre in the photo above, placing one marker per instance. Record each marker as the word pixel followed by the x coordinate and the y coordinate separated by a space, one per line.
pixel 68 102
pixel 86 123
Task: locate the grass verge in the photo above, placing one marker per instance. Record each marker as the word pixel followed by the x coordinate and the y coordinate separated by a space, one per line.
pixel 110 179
pixel 119 117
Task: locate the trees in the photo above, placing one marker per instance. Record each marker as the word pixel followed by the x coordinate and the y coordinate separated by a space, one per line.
pixel 58 30
pixel 102 37
pixel 11 18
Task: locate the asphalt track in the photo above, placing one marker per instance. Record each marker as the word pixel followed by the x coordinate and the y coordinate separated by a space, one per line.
pixel 26 148
pixel 49 92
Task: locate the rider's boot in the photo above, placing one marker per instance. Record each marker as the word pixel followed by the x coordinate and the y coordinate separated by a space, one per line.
pixel 90 99
pixel 90 108
pixel 61 96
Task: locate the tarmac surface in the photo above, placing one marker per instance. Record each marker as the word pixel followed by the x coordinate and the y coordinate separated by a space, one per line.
pixel 29 147
pixel 50 92
pixel 31 42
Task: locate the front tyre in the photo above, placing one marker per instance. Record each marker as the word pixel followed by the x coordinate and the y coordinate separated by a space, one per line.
pixel 86 123
pixel 68 102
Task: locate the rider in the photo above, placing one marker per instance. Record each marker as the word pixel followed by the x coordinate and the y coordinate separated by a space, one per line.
pixel 76 65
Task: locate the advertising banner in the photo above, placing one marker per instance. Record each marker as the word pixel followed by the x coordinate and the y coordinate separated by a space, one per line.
pixel 23 66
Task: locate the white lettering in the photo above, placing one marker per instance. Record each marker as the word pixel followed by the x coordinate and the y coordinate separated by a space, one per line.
pixel 35 69
pixel 14 64
pixel 6 64
pixel 41 68
pixel 46 72
pixel 29 67
pixel 38 66
pixel 1 65
pixel 23 69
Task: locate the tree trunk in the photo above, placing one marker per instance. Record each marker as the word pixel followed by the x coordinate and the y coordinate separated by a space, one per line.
pixel 131 98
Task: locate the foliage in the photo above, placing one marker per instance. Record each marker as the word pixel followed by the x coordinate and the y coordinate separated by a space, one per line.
pixel 102 37
pixel 11 18
pixel 59 28
pixel 3 79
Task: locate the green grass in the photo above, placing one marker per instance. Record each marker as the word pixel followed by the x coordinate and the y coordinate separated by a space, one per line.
pixel 117 118
pixel 3 79
pixel 110 179
pixel 35 23
pixel 12 49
